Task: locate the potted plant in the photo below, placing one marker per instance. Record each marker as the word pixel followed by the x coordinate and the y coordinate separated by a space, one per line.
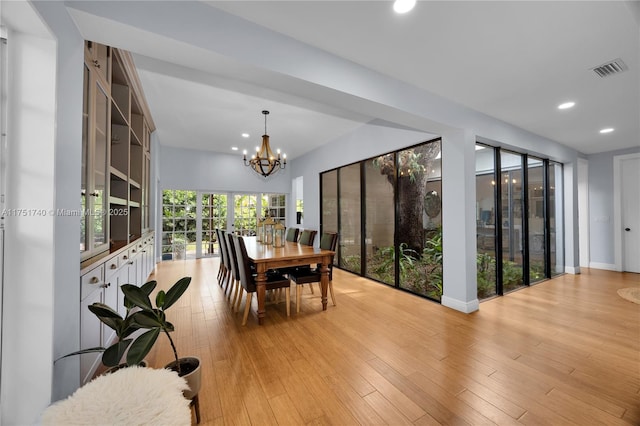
pixel 154 319
pixel 136 348
pixel 179 247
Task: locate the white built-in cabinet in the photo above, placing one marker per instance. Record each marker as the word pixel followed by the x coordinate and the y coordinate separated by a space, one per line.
pixel 116 242
pixel 100 283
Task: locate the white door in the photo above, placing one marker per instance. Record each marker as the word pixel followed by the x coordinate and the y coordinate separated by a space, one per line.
pixel 630 200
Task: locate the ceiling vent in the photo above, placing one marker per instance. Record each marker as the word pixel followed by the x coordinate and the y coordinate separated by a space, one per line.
pixel 610 68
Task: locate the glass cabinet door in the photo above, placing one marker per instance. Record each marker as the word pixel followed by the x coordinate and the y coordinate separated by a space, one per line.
pixel 84 244
pixel 94 184
pixel 100 175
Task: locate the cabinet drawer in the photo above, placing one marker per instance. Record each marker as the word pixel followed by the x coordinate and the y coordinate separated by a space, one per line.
pixel 123 258
pixel 111 267
pixel 91 281
pixel 133 251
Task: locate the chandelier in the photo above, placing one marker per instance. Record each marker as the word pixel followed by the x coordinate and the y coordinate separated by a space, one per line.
pixel 263 161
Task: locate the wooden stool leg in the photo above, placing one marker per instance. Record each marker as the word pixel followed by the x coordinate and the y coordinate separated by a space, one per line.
pixel 333 299
pixel 298 298
pixel 196 404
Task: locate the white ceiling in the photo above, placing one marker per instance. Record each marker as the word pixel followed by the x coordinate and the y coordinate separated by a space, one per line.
pixel 515 61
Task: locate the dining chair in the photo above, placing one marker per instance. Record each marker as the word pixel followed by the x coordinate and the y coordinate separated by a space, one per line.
pixel 307 237
pixel 224 252
pixel 292 235
pixel 301 276
pixel 248 279
pixel 221 267
pixel 222 274
pixel 235 271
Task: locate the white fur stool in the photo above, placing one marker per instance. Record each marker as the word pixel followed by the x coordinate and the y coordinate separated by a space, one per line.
pixel 130 396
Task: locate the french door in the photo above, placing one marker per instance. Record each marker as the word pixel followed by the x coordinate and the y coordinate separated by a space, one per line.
pixel 190 218
pixel 245 214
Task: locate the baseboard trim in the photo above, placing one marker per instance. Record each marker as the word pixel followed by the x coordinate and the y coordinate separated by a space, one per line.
pixel 459 305
pixel 575 270
pixel 605 266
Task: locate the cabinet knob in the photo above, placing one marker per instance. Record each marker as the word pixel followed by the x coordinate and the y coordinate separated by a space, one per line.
pixel 94 280
pixel 131 262
pixel 96 63
pixel 113 266
pixel 627 229
pixel 125 257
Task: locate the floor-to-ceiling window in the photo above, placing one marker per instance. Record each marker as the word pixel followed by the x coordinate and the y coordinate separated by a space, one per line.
pixel 519 240
pixel 535 216
pixel 511 200
pixel 380 220
pixel 486 221
pixel 350 223
pixel 387 211
pixel 419 220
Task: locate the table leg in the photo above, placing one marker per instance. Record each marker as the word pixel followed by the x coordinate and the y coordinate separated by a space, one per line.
pixel 324 282
pixel 261 281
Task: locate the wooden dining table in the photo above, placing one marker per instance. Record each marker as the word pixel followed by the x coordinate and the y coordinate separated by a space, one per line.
pixel 266 257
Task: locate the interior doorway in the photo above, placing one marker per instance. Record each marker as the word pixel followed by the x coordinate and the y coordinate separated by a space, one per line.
pixel 627 212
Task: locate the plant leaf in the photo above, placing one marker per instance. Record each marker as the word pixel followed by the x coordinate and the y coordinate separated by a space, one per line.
pixel 148 287
pixel 136 296
pixel 113 354
pixel 146 319
pixel 141 346
pixel 160 299
pixel 82 351
pixel 107 315
pixel 176 291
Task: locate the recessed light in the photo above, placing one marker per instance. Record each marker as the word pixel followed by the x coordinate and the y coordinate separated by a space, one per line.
pixel 607 130
pixel 245 135
pixel 566 105
pixel 403 6
pixel 234 148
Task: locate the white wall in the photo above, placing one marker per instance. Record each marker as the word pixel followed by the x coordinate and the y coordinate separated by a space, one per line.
pixel 210 171
pixel 601 208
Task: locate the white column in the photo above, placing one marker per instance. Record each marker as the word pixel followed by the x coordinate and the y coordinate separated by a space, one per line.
pixel 571 230
pixel 459 221
pixel 28 311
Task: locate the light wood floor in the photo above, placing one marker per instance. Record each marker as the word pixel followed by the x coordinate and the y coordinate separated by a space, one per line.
pixel 565 351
